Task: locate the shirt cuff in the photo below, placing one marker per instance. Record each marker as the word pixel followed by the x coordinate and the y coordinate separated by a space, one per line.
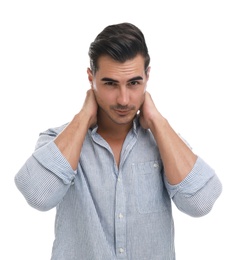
pixel 194 181
pixel 50 157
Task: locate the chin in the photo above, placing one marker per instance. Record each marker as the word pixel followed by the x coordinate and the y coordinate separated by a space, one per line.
pixel 124 120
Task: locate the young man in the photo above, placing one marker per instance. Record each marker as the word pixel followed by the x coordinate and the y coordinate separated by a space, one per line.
pixel 114 169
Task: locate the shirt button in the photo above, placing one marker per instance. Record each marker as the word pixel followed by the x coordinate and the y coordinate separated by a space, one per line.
pixel 119 179
pixel 155 165
pixel 121 215
pixel 121 250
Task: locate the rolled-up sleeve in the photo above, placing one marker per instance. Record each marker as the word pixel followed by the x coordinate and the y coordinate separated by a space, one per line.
pixel 46 176
pixel 52 159
pixel 197 193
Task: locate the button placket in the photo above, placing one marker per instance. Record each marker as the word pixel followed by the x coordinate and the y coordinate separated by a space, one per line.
pixel 120 220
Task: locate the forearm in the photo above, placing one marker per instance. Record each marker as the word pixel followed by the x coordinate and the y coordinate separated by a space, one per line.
pixel 47 175
pixel 71 139
pixel 177 157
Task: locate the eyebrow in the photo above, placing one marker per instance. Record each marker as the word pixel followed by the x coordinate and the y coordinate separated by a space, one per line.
pixel 113 80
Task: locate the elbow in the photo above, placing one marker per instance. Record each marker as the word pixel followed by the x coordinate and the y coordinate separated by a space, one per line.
pixel 33 197
pixel 196 211
pixel 202 202
pixel 38 204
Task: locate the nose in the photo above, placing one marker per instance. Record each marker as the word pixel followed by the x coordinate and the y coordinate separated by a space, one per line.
pixel 123 96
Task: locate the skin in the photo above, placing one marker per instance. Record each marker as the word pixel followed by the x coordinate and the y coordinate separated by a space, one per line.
pixel 117 93
pixel 123 85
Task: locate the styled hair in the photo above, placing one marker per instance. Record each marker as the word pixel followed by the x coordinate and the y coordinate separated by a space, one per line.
pixel 121 42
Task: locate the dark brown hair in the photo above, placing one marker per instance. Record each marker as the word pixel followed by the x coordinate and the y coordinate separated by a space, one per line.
pixel 121 42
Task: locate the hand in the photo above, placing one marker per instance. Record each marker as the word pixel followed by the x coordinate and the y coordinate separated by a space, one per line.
pixel 90 107
pixel 148 112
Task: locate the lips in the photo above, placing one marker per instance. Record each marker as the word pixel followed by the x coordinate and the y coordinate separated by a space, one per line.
pixel 122 112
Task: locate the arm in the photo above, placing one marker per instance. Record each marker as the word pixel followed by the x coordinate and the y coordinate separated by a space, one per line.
pixel 190 181
pixel 47 175
pixel 177 157
pixel 70 141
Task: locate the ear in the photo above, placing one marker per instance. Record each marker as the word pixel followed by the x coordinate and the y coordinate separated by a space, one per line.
pixel 148 72
pixel 90 76
pixel 147 75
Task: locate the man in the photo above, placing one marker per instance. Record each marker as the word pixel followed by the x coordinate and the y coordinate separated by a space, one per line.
pixel 114 169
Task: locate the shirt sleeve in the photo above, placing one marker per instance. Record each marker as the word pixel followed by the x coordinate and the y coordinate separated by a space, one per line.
pixel 50 157
pixel 197 193
pixel 46 176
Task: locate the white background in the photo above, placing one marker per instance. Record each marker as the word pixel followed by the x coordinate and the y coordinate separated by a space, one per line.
pixel 43 62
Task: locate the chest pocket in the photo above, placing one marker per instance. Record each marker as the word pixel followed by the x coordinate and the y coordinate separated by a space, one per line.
pixel 151 194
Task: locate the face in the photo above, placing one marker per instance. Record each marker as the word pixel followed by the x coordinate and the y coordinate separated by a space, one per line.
pixel 119 88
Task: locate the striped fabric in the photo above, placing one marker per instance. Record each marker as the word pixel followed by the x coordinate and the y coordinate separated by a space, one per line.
pixel 109 213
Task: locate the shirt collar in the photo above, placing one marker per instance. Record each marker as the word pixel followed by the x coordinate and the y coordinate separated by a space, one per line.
pixel 136 125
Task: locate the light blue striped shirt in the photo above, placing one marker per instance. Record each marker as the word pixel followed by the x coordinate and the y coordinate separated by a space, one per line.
pixel 110 213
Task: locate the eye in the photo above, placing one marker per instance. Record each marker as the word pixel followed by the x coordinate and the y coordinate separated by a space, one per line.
pixel 133 83
pixel 111 83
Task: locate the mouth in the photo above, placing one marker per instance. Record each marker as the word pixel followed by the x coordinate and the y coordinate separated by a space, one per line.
pixel 122 112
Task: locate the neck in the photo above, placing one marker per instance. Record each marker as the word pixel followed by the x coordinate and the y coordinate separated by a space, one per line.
pixel 110 129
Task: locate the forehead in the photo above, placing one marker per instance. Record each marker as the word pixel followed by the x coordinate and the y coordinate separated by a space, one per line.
pixel 107 67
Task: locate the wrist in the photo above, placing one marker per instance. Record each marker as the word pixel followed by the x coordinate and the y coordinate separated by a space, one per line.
pixel 83 118
pixel 157 122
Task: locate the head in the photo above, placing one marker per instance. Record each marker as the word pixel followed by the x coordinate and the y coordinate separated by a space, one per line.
pixel 119 71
